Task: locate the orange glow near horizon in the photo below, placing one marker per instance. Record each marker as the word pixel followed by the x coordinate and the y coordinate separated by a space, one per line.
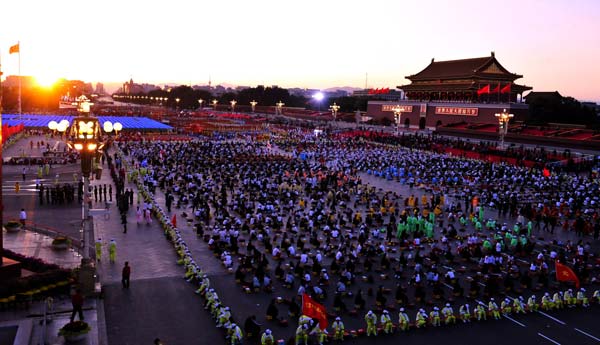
pixel 46 81
pixel 309 44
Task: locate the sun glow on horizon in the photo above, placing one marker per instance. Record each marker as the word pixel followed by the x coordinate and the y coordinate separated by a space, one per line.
pixel 46 81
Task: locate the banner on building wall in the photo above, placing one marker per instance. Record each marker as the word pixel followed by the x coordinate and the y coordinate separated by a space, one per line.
pixel 423 109
pixel 456 111
pixel 403 108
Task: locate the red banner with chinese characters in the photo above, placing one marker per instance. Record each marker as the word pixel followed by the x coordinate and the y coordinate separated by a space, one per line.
pixel 315 310
pixel 457 111
pixel 391 107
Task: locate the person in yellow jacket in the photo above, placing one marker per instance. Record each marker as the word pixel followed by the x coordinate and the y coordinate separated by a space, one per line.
pixel 434 317
pixel 302 334
pixel 480 312
pixel 464 313
pixel 236 334
pixel 338 329
pixel 112 250
pixel 557 299
pixel 570 300
pixel 532 305
pixel 320 333
pixel 386 322
pixel 421 319
pixel 371 320
pixel 518 305
pixel 448 313
pixel 493 309
pixel 403 321
pixel 582 299
pixel 267 338
pixel 98 247
pixel 547 303
pixel 596 296
pixel 505 306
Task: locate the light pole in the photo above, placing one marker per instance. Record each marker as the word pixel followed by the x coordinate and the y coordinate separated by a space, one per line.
pixel 253 104
pixel 214 103
pixel 334 110
pixel 279 108
pixel 503 119
pixel 397 117
pixel 233 103
pixel 200 100
pixel 177 103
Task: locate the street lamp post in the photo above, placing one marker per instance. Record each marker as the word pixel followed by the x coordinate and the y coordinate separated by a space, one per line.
pixel 503 119
pixel 233 103
pixel 253 104
pixel 334 110
pixel 200 101
pixel 397 117
pixel 214 103
pixel 279 108
pixel 177 103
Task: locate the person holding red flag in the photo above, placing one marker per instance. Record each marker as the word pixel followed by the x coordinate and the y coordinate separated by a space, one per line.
pixel 565 274
pixel 315 310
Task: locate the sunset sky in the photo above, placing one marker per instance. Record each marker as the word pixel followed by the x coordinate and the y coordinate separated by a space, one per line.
pixel 555 44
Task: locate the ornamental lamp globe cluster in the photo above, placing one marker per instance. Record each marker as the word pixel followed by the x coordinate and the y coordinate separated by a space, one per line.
pixel 503 120
pixel 397 117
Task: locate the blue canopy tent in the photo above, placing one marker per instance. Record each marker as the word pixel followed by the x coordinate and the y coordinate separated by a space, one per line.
pixel 128 122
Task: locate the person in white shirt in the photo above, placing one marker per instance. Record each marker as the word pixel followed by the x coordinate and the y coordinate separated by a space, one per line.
pixel 23 216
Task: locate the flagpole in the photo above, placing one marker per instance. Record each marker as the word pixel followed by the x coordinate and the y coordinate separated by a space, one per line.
pixel 20 77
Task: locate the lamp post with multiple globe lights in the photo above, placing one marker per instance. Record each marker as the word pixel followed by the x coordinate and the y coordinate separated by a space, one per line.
pixel 253 104
pixel 503 119
pixel 214 103
pixel 85 136
pixel 279 108
pixel 397 117
pixel 233 102
pixel 334 110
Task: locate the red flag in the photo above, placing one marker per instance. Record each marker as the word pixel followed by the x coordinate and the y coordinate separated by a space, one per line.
pixel 485 89
pixel 14 49
pixel 565 274
pixel 546 172
pixel 174 220
pixel 496 89
pixel 315 310
pixel 505 89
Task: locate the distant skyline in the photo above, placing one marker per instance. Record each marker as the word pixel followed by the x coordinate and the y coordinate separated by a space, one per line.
pixel 554 44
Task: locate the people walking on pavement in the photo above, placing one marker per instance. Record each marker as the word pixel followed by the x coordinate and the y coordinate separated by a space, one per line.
pixel 112 250
pixel 138 216
pixel 77 303
pixel 23 217
pixel 124 221
pixel 125 275
pixel 98 249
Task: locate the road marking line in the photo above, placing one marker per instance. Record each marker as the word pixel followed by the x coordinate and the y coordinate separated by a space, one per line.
pixel 552 317
pixel 551 340
pixel 515 321
pixel 589 335
pixel 448 286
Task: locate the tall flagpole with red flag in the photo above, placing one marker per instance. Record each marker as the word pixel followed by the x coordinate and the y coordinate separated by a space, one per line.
pixel 17 49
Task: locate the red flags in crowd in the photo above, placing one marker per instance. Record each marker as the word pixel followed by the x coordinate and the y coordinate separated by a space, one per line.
pixel 315 310
pixel 174 220
pixel 565 274
pixel 505 89
pixel 496 89
pixel 546 172
pixel 484 90
pixel 14 49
